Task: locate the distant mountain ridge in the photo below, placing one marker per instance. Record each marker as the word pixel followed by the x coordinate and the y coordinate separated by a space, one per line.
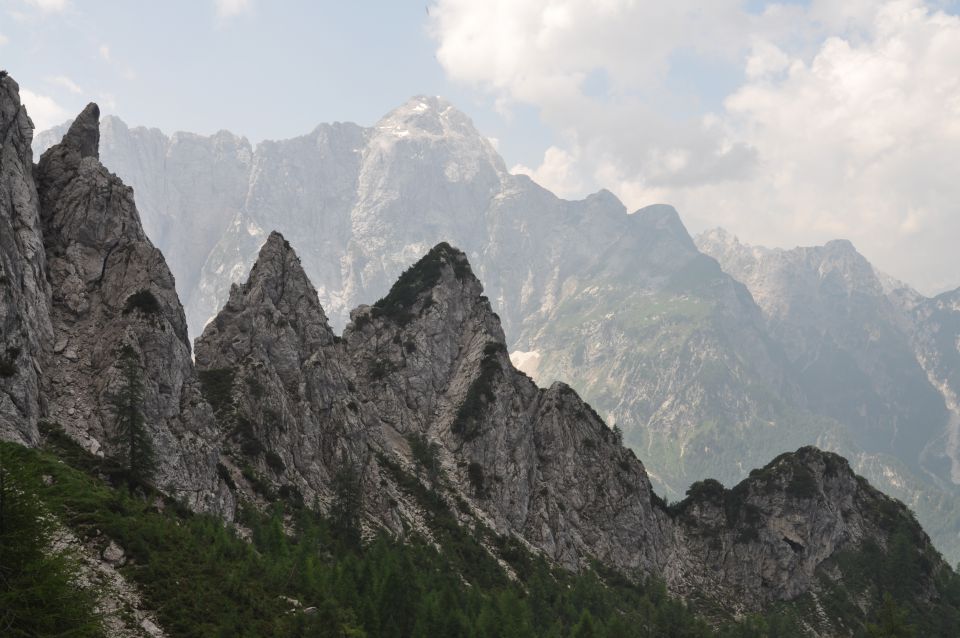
pixel 703 366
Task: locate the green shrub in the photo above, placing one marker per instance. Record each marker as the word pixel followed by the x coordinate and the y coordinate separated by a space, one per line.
pixel 397 305
pixel 426 454
pixel 380 369
pixel 217 387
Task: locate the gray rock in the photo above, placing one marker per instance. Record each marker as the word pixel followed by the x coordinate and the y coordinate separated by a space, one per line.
pixel 25 329
pixel 111 288
pixel 114 554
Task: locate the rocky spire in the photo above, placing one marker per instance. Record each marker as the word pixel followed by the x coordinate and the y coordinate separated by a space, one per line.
pixel 276 298
pixel 112 291
pixel 84 133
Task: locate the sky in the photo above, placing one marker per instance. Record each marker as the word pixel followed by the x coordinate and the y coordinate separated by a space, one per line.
pixel 787 123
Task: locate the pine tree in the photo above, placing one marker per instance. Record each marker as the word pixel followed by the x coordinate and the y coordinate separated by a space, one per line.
pixel 347 504
pixel 892 621
pixel 618 434
pixel 133 442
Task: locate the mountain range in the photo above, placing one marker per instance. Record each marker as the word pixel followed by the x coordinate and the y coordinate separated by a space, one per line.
pixel 710 356
pixel 416 407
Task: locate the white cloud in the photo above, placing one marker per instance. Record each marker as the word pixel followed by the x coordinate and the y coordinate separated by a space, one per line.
pixel 555 56
pixel 860 142
pixel 847 121
pixel 49 6
pixel 104 51
pixel 67 83
pixel 558 172
pixel 3 39
pixel 231 8
pixel 43 110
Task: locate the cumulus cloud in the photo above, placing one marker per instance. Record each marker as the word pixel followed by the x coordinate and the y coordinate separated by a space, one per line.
pixel 558 172
pixel 859 142
pixel 846 120
pixel 231 8
pixel 42 109
pixel 596 70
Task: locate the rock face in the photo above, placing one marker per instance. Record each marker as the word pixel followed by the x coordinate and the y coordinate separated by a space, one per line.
pixel 428 361
pixel 111 289
pixel 25 329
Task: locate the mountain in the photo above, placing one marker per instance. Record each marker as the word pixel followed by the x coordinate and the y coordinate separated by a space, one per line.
pixel 414 421
pixel 871 353
pixel 704 377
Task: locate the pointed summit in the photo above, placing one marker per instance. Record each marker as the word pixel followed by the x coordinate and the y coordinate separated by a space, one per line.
pixel 277 298
pixel 278 269
pixel 418 281
pixel 84 133
pixel 428 114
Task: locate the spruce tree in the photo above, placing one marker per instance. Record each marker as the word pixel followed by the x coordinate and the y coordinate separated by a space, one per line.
pixel 135 449
pixel 347 506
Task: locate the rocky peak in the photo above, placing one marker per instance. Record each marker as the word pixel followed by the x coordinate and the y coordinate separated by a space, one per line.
pixel 443 267
pixel 773 534
pixel 427 115
pixel 665 219
pixel 278 277
pixel 112 291
pixel 275 309
pixel 84 134
pixel 433 325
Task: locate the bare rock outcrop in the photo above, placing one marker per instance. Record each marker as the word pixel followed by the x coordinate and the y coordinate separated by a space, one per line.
pixel 25 328
pixel 111 288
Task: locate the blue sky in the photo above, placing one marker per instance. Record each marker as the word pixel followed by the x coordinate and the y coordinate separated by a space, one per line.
pixel 272 71
pixel 788 123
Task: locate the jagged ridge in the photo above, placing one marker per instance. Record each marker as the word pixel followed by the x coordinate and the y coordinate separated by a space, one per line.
pixel 355 402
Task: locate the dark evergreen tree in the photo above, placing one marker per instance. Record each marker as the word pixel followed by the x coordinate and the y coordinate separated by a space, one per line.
pixel 135 449
pixel 891 621
pixel 347 506
pixel 618 434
